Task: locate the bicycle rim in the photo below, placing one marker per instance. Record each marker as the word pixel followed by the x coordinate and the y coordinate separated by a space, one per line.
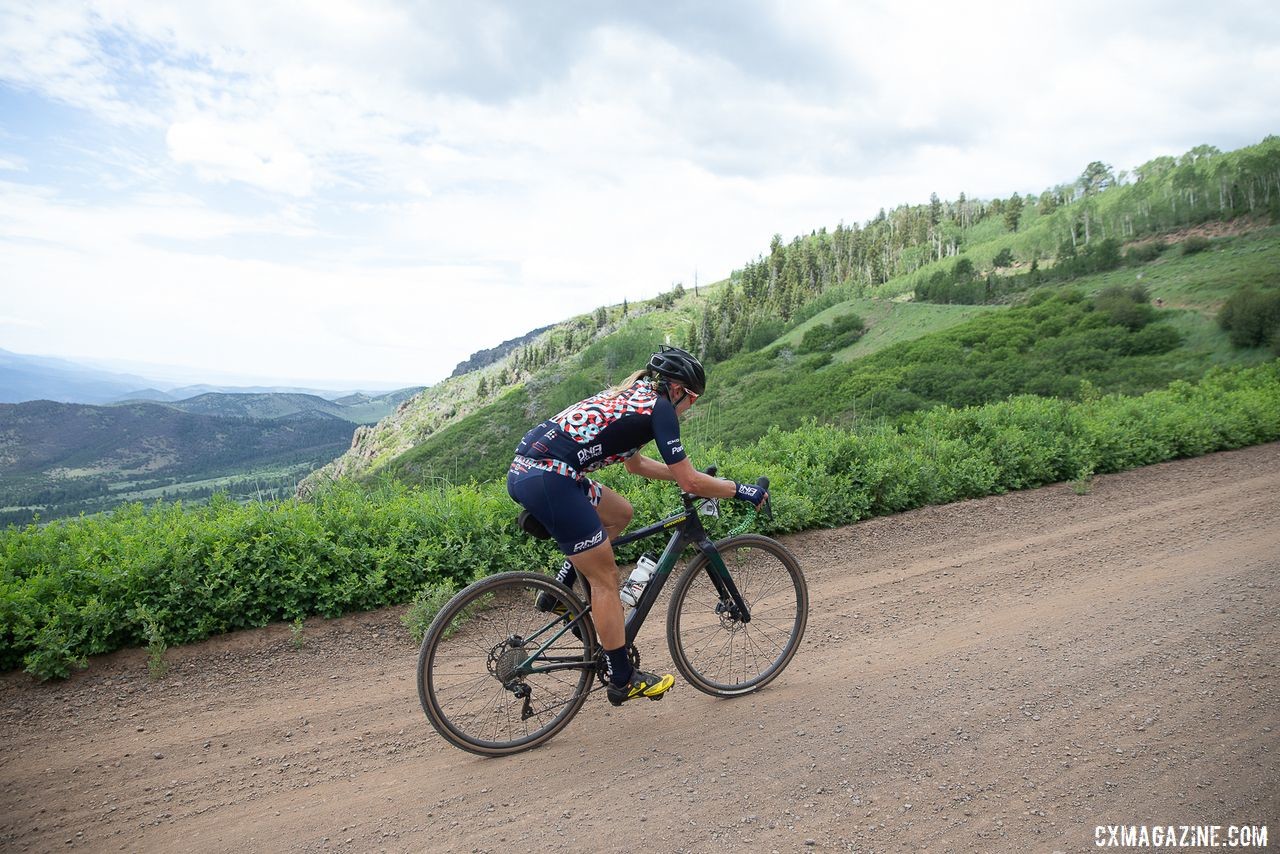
pixel 471 682
pixel 726 657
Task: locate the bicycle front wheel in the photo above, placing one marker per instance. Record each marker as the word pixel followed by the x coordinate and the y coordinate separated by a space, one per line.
pixel 715 648
pixel 498 674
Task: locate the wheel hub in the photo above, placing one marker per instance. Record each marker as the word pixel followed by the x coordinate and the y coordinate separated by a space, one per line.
pixel 729 616
pixel 505 659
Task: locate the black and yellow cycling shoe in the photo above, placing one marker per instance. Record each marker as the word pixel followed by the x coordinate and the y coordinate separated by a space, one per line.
pixel 549 604
pixel 641 685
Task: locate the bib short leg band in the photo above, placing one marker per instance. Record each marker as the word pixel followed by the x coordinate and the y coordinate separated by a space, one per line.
pixel 562 504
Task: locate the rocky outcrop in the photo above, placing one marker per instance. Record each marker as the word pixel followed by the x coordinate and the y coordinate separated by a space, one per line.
pixel 484 358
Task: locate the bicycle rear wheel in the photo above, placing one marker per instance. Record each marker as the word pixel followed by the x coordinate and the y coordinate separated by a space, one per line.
pixel 716 650
pixel 496 675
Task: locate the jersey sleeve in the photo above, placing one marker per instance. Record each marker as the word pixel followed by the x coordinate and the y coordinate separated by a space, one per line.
pixel 666 432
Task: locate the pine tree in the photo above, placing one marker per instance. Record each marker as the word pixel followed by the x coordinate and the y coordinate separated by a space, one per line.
pixel 1013 212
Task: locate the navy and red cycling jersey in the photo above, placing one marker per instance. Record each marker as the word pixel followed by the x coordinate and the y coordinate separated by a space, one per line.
pixel 607 428
pixel 547 475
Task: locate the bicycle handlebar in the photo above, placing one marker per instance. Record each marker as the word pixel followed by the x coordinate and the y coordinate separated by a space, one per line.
pixel 765 509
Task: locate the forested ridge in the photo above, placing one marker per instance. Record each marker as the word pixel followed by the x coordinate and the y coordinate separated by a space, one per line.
pixel 1098 231
pixel 890 253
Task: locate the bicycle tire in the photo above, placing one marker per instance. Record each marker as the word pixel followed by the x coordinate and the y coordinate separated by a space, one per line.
pixel 725 657
pixel 467 681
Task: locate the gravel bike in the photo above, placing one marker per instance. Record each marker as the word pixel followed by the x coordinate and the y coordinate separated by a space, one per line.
pixel 496 675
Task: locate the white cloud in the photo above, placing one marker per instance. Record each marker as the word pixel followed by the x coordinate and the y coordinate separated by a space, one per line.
pixel 488 167
pixel 257 154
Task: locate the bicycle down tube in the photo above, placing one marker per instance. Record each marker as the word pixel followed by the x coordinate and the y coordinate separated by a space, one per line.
pixel 689 533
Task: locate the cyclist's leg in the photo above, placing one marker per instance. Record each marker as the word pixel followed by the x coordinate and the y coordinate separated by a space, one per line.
pixel 615 512
pixel 563 506
pixel 598 566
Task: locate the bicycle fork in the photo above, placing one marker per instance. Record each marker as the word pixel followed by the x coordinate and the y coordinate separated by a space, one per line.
pixel 731 603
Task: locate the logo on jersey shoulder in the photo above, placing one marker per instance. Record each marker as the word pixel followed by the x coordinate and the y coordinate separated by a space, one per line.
pixel 586 544
pixel 550 434
pixel 587 453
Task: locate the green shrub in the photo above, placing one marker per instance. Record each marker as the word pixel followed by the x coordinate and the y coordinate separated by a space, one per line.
pixel 1195 244
pixel 426 603
pixel 1152 340
pixel 1251 317
pixel 840 333
pixel 1144 253
pixel 1125 307
pixel 763 333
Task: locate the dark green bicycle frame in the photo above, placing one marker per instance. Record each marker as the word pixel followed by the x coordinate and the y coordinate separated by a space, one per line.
pixel 689 531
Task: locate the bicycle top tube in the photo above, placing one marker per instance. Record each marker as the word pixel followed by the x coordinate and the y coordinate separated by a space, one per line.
pixel 667 524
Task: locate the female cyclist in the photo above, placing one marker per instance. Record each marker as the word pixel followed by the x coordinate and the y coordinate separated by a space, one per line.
pixel 548 478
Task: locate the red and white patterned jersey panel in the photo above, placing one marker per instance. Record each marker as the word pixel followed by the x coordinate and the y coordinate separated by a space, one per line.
pixel 606 429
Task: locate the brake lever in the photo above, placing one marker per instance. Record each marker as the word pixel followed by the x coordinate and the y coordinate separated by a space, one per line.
pixel 766 507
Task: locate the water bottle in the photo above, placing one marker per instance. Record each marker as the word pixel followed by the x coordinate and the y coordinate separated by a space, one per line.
pixel 638 580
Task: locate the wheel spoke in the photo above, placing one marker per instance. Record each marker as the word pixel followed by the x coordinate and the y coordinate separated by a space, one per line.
pixel 723 655
pixel 469 683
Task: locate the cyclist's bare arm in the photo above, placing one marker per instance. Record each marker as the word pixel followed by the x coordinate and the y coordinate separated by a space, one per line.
pixel 690 479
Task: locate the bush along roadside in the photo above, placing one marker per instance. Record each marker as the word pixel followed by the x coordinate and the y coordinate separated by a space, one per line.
pixel 169 574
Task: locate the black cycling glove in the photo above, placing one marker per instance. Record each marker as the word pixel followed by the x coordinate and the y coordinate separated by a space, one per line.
pixel 750 492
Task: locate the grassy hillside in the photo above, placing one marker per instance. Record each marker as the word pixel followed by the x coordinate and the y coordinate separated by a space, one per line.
pixel 464 425
pixel 752 328
pixel 480 445
pixel 888 322
pixel 1053 341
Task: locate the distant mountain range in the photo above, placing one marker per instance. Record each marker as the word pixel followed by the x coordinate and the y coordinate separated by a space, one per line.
pixel 354 408
pixel 77 439
pixel 25 377
pixel 41 378
pixel 70 440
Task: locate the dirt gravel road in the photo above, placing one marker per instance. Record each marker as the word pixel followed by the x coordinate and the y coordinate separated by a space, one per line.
pixel 1005 674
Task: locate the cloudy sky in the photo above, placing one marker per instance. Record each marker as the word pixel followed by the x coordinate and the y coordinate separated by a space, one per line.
pixel 365 192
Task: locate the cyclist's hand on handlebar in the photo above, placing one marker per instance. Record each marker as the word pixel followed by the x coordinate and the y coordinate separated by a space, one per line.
pixel 756 494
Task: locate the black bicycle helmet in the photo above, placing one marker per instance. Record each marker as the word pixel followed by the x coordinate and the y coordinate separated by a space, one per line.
pixel 681 366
